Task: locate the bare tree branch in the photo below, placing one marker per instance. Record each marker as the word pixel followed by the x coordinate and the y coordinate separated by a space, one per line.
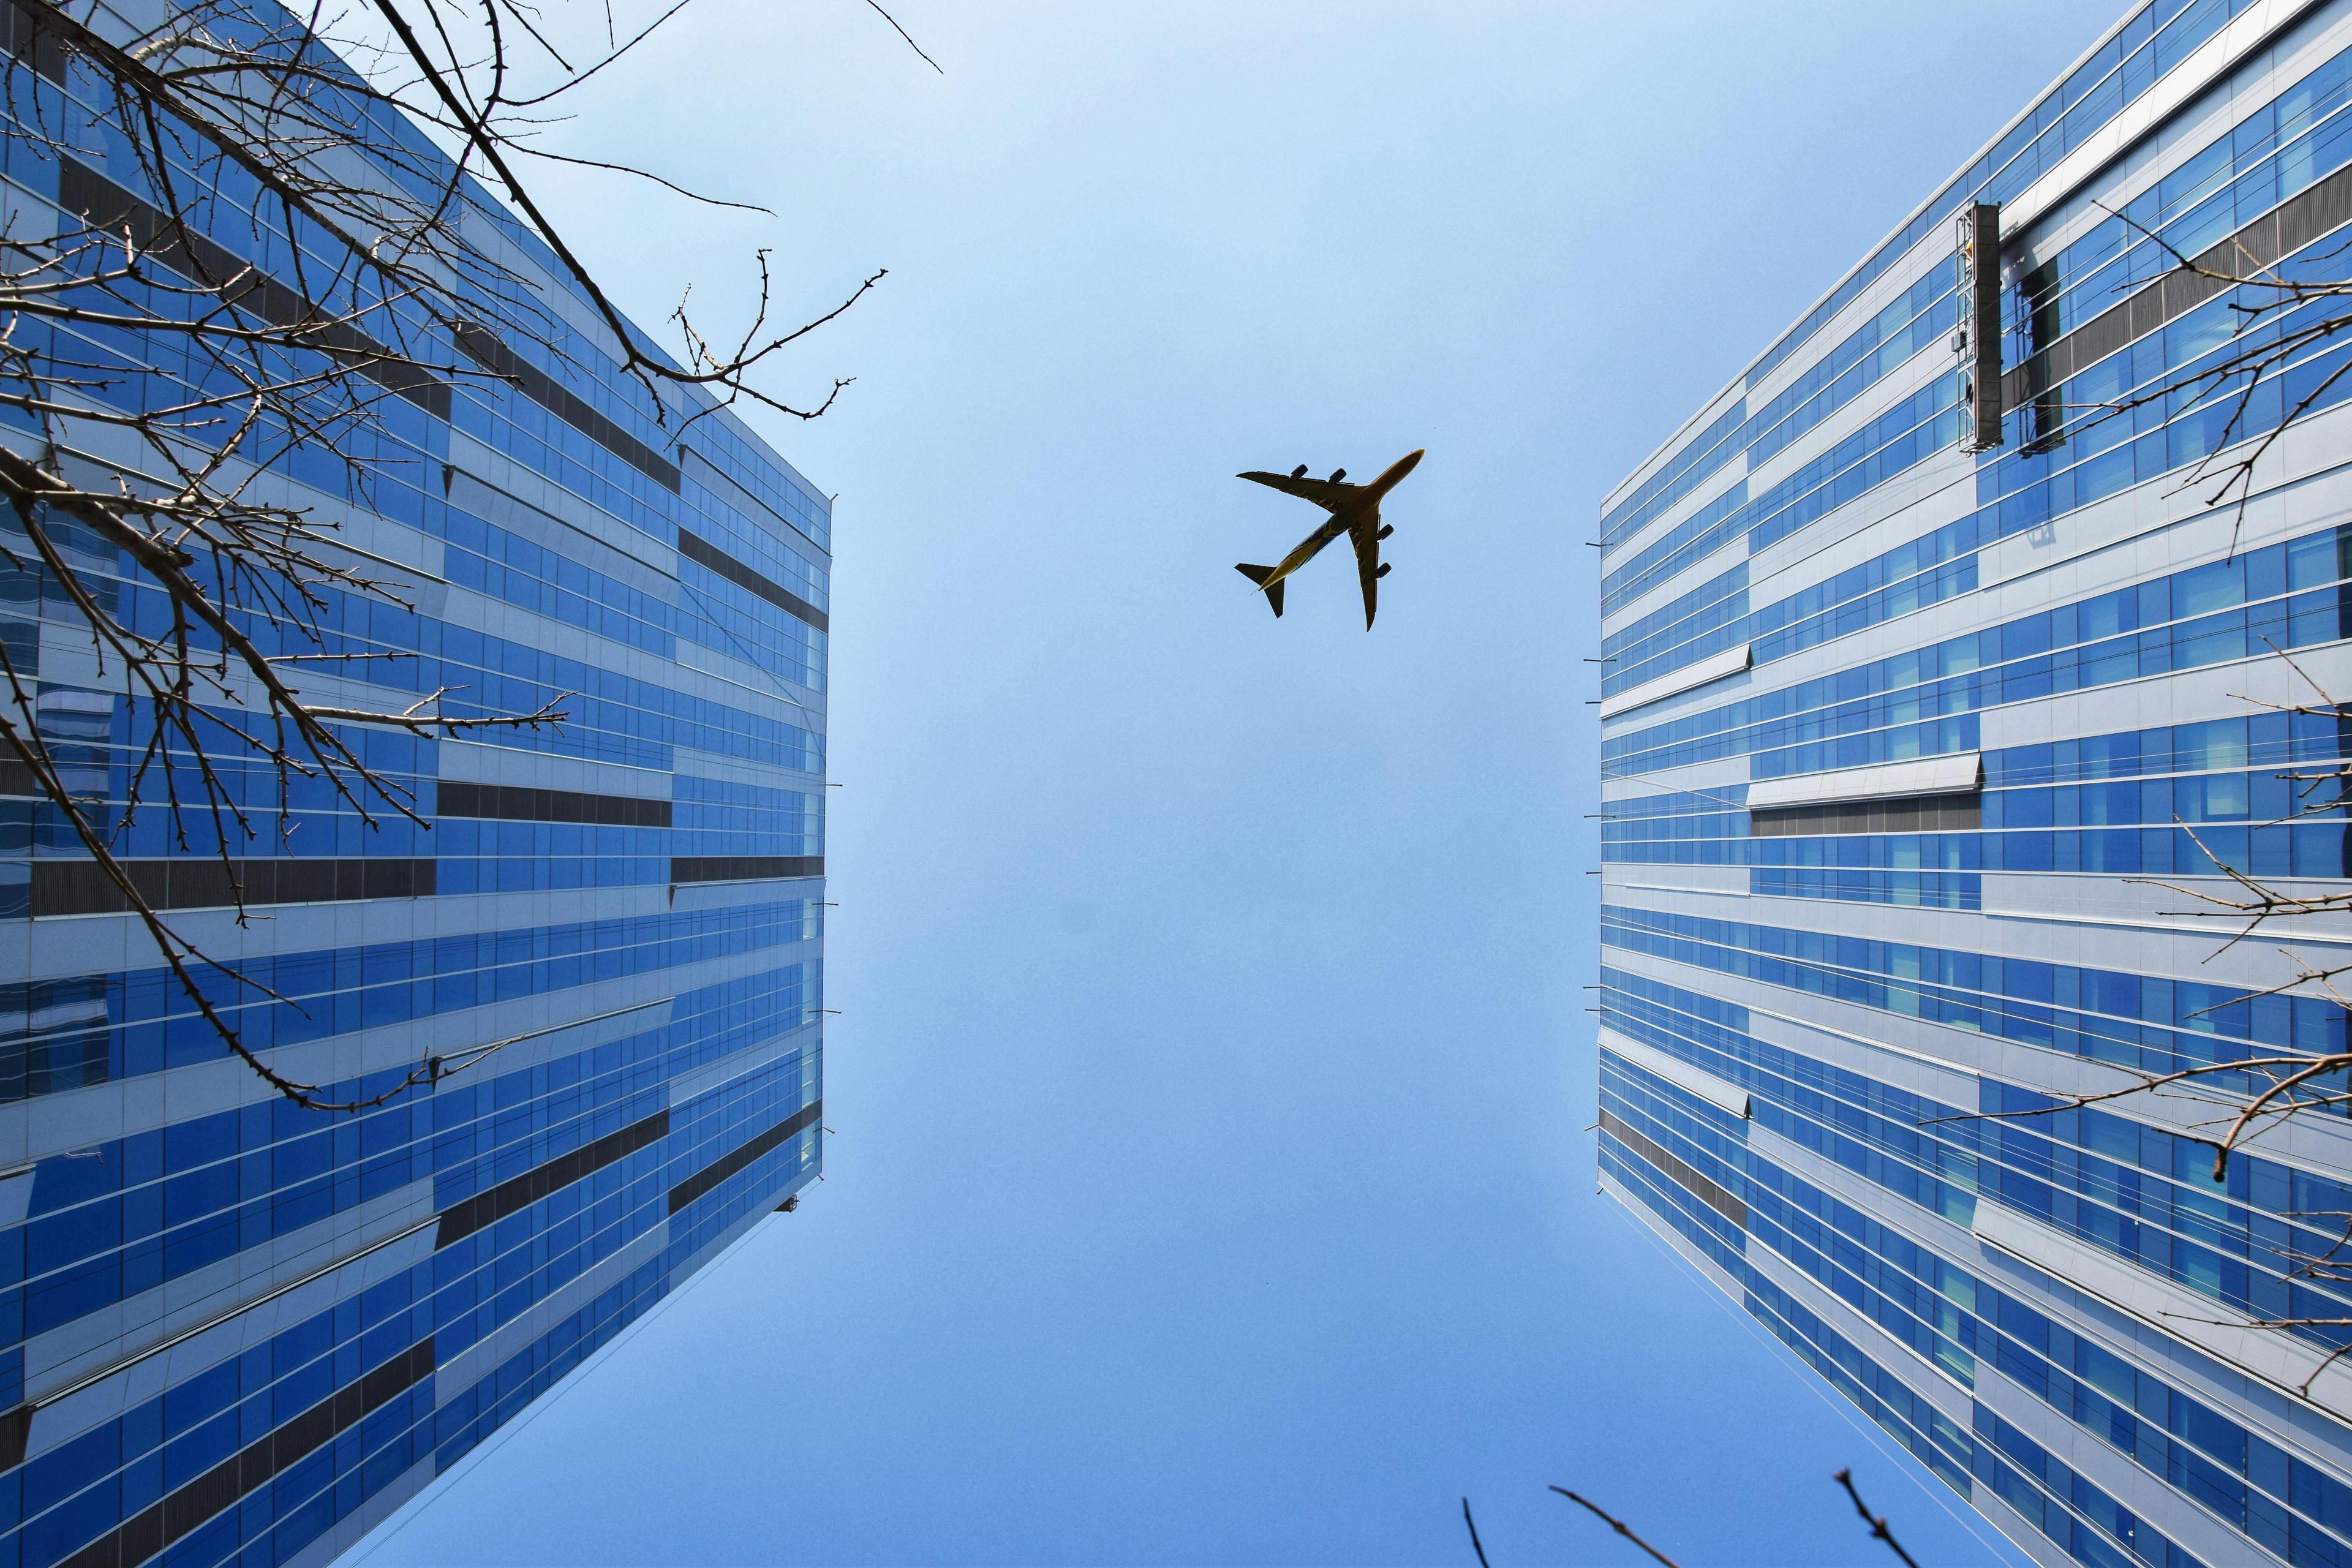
pixel 170 355
pixel 903 32
pixel 1877 1522
pixel 2265 344
pixel 2239 1097
pixel 1619 1525
pixel 2279 1324
pixel 1473 1523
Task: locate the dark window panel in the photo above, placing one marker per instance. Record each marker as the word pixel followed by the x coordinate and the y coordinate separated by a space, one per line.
pixel 1698 1186
pixel 511 1197
pixel 80 888
pixel 744 867
pixel 704 553
pixel 102 204
pixel 508 803
pixel 2284 230
pixel 1924 814
pixel 482 346
pixel 710 1175
pixel 144 1535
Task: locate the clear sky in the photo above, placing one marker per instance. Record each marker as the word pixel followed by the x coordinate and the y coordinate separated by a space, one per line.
pixel 1209 1180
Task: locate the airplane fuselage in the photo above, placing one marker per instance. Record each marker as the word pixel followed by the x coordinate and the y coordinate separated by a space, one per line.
pixel 1310 547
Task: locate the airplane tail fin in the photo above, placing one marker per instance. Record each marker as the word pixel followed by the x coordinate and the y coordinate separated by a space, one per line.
pixel 1258 575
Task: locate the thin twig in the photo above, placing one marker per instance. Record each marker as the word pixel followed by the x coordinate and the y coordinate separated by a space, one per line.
pixel 1877 1522
pixel 170 389
pixel 1473 1523
pixel 903 32
pixel 1618 1525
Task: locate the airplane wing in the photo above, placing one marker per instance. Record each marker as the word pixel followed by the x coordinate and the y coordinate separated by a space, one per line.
pixel 1322 492
pixel 1367 541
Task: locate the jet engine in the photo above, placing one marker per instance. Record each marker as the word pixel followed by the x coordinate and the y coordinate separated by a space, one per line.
pixel 1386 529
pixel 1384 569
pixel 1299 472
pixel 1338 474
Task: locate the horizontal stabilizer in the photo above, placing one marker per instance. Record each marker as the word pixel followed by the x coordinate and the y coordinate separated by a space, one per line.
pixel 1258 575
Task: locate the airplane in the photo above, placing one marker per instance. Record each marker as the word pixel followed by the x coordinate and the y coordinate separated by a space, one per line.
pixel 1355 511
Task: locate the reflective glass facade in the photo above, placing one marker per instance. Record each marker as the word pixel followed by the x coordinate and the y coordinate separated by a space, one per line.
pixel 1897 740
pixel 235 1329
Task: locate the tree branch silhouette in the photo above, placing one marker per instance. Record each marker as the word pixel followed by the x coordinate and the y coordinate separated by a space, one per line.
pixel 255 273
pixel 1877 1522
pixel 1619 1525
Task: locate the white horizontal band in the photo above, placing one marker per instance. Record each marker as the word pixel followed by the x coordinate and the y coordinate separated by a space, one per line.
pixel 1885 781
pixel 1726 1097
pixel 1714 667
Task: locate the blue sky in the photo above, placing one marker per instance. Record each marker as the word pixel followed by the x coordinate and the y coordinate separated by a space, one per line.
pixel 1209 1182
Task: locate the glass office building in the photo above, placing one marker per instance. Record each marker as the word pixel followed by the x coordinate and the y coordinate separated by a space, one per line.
pixel 1899 729
pixel 237 1329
